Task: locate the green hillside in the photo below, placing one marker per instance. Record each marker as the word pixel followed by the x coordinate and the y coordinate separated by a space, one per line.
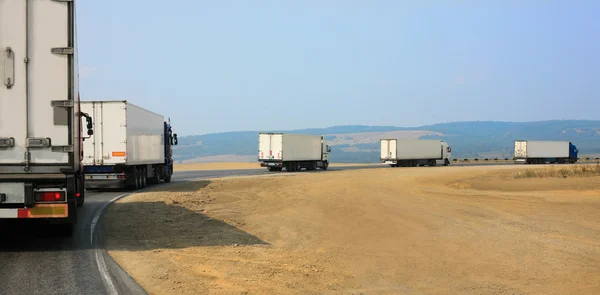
pixel 357 143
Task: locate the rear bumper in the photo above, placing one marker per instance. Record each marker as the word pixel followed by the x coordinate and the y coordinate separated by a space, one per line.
pixel 39 211
pixel 271 164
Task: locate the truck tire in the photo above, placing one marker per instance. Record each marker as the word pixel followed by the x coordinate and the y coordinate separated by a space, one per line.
pixel 291 167
pixel 446 162
pixel 155 178
pixel 136 178
pixel 144 177
pixel 325 165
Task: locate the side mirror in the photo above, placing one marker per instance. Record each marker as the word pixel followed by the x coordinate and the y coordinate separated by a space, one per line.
pixel 175 137
pixel 89 125
pixel 328 149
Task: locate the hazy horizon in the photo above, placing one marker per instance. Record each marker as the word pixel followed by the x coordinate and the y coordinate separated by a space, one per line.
pixel 229 66
pixel 391 126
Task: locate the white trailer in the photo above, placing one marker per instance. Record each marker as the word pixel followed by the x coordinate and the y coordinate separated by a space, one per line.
pixel 127 149
pixel 292 151
pixel 40 121
pixel 413 152
pixel 541 152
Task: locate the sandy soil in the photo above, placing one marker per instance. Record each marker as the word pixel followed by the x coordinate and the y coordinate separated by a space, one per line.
pixel 240 166
pixel 441 230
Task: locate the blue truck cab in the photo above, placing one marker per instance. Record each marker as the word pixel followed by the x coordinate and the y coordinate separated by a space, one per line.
pixel 573 153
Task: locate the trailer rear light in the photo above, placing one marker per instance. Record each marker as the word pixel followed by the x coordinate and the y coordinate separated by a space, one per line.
pixel 49 196
pixel 78 195
pixel 121 176
pixel 118 154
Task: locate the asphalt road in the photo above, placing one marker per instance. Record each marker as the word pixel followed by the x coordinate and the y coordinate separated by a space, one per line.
pixel 33 261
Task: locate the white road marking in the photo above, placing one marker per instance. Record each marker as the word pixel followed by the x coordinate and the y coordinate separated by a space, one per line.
pixel 108 283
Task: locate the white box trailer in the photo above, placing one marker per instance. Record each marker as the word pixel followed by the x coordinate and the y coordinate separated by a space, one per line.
pixel 40 120
pixel 292 151
pixel 127 148
pixel 541 152
pixel 413 152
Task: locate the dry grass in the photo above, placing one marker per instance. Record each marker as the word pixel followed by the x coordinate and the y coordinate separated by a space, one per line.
pixel 588 170
pixel 371 231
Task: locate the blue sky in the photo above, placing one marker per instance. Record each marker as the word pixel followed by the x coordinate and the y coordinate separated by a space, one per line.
pixel 217 66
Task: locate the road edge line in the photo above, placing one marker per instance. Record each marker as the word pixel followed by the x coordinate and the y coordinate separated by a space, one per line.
pixel 100 262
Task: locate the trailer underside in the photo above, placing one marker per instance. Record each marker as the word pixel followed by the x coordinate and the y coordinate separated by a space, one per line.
pixel 126 177
pixel 415 162
pixel 293 166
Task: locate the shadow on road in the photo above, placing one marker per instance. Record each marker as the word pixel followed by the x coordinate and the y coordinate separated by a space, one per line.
pixel 34 236
pixel 134 226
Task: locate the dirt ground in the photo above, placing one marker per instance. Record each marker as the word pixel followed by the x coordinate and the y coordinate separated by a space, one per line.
pixel 438 230
pixel 238 166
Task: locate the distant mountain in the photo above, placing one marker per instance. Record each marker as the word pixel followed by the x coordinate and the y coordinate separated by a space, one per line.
pixel 358 143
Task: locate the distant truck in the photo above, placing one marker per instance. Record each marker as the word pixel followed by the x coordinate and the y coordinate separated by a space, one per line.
pixel 41 125
pixel 292 151
pixel 131 146
pixel 414 152
pixel 542 152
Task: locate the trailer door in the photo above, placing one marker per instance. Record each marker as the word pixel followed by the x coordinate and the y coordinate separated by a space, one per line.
pixel 388 149
pixel 38 92
pixel 270 146
pixel 520 149
pixel 108 145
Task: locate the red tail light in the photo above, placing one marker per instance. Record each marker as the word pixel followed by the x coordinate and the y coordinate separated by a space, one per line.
pixel 49 196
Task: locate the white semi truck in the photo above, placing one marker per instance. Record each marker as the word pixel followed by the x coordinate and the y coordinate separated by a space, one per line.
pixel 542 152
pixel 131 146
pixel 41 132
pixel 292 151
pixel 415 152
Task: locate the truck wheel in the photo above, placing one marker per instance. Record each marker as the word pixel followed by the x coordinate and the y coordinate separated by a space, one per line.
pixel 168 179
pixel 155 178
pixel 136 178
pixel 446 162
pixel 325 165
pixel 291 167
pixel 143 178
